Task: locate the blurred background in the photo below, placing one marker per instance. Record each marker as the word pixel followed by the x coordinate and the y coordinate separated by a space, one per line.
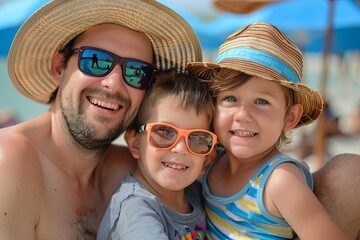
pixel 327 32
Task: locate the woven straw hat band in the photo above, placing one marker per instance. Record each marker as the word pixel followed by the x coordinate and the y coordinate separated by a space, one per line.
pixel 252 67
pixel 262 58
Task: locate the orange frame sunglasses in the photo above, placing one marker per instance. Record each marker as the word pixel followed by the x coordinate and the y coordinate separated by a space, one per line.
pixel 164 136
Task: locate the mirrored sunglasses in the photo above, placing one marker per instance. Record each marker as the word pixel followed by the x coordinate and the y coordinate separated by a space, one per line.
pixel 97 62
pixel 164 136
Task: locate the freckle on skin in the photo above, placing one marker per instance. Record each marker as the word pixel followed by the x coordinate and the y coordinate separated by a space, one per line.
pixel 5 213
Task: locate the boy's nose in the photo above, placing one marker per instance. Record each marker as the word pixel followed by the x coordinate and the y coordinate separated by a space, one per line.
pixel 180 146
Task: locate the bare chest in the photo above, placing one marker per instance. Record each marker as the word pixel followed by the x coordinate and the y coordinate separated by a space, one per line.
pixel 68 211
pixel 70 207
pixel 65 217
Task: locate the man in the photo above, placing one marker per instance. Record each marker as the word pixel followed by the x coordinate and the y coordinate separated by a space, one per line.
pixel 59 170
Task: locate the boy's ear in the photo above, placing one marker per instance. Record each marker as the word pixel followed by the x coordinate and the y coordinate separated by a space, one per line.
pixel 57 67
pixel 131 140
pixel 294 117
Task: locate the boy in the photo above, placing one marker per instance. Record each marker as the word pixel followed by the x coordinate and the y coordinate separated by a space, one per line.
pixel 171 141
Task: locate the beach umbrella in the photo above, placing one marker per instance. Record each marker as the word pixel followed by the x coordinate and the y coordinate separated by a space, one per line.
pixel 304 21
pixel 12 14
pixel 307 22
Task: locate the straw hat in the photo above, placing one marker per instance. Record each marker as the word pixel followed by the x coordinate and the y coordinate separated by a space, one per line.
pixel 55 24
pixel 262 50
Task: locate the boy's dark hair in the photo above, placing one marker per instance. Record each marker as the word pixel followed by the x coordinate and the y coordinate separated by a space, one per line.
pixel 191 91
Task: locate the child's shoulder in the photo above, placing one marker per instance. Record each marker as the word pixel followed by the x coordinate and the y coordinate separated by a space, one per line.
pixel 285 171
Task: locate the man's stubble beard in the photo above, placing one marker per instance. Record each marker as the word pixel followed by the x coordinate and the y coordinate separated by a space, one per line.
pixel 85 134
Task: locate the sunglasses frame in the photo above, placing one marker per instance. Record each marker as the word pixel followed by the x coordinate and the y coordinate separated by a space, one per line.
pixel 116 60
pixel 180 133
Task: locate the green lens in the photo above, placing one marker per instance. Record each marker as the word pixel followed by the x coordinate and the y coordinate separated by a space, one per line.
pixel 138 74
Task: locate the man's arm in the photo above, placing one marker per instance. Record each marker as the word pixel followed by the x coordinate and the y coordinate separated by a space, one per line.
pixel 337 188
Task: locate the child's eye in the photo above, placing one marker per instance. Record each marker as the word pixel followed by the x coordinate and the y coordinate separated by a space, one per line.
pixel 261 101
pixel 230 99
pixel 166 133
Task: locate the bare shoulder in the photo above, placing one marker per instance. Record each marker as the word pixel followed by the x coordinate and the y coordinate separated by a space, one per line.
pixel 336 186
pixel 20 183
pixel 285 174
pixel 337 181
pixel 285 184
pixel 17 152
pixel 120 157
pixel 343 166
pixel 118 163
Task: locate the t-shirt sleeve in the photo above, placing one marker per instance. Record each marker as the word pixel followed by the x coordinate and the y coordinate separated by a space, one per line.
pixel 140 218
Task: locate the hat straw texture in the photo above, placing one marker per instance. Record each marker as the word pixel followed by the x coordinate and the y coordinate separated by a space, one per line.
pixel 47 31
pixel 262 50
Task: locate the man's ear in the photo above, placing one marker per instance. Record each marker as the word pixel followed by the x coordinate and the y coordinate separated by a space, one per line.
pixel 131 140
pixel 294 117
pixel 57 67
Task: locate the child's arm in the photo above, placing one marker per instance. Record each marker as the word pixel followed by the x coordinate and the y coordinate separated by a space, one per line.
pixel 288 195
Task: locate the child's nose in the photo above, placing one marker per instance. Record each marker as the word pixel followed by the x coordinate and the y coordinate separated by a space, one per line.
pixel 243 113
pixel 180 146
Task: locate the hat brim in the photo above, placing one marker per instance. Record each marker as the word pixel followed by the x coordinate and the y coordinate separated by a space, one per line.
pixel 310 99
pixel 48 30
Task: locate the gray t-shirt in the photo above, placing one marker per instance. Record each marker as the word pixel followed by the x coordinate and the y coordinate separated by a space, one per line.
pixel 135 213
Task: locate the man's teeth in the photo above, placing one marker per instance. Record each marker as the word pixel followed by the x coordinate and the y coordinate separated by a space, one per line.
pixel 244 134
pixel 173 166
pixel 104 104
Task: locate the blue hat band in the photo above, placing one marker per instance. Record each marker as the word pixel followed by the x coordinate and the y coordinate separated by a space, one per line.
pixel 261 58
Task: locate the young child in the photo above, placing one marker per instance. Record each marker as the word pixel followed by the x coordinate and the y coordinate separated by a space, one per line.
pixel 171 140
pixel 253 191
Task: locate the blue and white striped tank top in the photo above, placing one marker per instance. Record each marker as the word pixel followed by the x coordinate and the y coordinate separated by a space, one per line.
pixel 243 215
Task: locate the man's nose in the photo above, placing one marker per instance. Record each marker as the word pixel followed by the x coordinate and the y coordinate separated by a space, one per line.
pixel 114 80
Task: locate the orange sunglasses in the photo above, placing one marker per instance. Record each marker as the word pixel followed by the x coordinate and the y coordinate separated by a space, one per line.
pixel 164 136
